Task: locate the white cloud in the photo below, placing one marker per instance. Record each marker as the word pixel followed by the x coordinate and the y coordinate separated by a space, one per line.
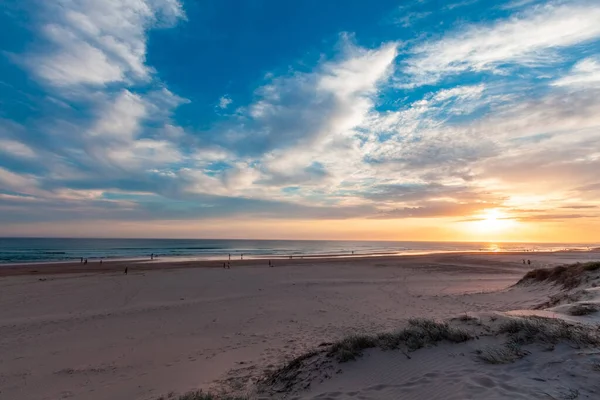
pixel 96 43
pixel 529 38
pixel 410 18
pixel 224 102
pixel 312 117
pixel 584 74
pixel 120 118
pixel 11 181
pixel 16 148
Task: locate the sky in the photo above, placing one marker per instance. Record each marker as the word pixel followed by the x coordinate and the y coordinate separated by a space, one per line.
pixel 454 120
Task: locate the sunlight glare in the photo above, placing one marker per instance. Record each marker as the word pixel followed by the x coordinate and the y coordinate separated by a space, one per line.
pixel 493 221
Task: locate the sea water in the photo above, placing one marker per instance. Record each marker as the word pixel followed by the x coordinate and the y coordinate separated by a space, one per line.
pixel 31 250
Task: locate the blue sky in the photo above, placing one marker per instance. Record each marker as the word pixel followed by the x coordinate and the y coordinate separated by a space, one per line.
pixel 177 118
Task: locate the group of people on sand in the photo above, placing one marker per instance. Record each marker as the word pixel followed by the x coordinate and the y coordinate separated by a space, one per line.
pixel 85 260
pixel 227 265
pixel 528 262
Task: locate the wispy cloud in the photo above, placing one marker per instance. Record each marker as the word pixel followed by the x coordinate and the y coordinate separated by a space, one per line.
pixel 584 74
pixel 410 18
pixel 94 43
pixel 527 39
pixel 224 102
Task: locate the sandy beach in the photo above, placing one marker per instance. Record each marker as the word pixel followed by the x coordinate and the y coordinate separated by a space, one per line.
pixel 171 327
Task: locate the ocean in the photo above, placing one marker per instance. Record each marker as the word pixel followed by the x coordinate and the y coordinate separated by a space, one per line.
pixel 32 250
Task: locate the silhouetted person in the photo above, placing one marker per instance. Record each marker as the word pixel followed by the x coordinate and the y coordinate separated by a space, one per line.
pixel 126 270
pixel 85 261
pixel 152 256
pixel 269 263
pixel 228 265
pixel 82 260
pixel 224 266
pixel 524 262
pixel 100 261
pixel 229 256
pixel 242 256
pixel 528 262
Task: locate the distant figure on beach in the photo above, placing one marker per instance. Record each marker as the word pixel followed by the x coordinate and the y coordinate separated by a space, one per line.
pixel 242 256
pixel 524 262
pixel 224 266
pixel 229 256
pixel 100 261
pixel 270 263
pixel 82 260
pixel 126 270
pixel 152 256
pixel 353 252
pixel 528 262
pixel 85 261
pixel 228 265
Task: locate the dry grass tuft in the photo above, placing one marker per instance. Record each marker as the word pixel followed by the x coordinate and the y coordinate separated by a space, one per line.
pixel 583 309
pixel 418 334
pixel 569 276
pixel 506 354
pixel 529 330
pixel 200 395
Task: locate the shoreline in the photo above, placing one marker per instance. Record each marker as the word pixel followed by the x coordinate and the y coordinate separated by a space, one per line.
pixel 108 266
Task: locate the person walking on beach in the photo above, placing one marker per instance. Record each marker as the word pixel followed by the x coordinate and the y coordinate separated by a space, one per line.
pixel 229 256
pixel 242 256
pixel 152 256
pixel 85 261
pixel 81 260
pixel 126 270
pixel 528 262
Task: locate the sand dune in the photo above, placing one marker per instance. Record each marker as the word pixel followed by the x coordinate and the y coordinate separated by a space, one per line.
pixel 551 353
pixel 156 331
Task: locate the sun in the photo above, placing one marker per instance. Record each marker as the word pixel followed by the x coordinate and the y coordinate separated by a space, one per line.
pixel 493 221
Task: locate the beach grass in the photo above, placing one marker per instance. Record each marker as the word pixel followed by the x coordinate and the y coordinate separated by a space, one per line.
pixel 418 334
pixel 569 276
pixel 508 353
pixel 200 395
pixel 583 309
pixel 530 330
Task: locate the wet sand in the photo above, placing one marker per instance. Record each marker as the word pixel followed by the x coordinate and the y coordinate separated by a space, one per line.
pixel 108 266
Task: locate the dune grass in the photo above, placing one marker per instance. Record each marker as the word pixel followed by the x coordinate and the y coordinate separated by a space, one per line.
pixel 583 309
pixel 569 276
pixel 506 354
pixel 418 334
pixel 200 395
pixel 522 331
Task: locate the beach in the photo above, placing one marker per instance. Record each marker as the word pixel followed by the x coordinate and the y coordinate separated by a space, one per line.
pixel 169 327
